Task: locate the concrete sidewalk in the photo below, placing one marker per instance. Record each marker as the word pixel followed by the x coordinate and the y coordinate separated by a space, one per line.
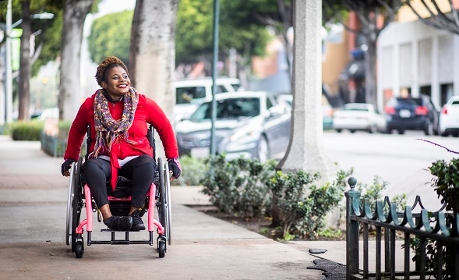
pixel 33 203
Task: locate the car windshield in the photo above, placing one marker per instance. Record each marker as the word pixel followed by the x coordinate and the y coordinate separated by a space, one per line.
pixel 232 108
pixel 409 101
pixel 193 94
pixel 355 108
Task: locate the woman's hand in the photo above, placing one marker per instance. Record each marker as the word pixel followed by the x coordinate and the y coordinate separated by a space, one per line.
pixel 174 166
pixel 66 166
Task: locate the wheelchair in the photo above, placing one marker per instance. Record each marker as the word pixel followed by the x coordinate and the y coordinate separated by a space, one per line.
pixel 158 200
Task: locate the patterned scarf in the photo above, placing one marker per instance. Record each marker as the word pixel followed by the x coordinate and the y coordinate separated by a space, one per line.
pixel 109 130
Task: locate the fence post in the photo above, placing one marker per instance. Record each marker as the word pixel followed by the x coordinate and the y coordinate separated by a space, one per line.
pixel 352 229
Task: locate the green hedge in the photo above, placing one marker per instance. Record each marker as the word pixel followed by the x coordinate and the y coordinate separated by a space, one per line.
pixel 26 131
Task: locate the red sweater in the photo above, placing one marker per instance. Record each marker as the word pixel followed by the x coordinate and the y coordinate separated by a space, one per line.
pixel 147 112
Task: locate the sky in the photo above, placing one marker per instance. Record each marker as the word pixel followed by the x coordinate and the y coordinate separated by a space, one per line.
pixel 88 68
pixel 112 6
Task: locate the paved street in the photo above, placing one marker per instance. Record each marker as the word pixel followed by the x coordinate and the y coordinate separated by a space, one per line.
pixel 401 160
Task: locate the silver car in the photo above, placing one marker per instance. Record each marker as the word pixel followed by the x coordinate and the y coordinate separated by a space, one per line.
pixel 249 124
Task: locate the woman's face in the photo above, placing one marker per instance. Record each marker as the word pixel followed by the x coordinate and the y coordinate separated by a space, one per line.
pixel 117 84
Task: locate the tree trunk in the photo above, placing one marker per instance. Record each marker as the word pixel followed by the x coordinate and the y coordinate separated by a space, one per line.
pixel 305 150
pixel 24 63
pixel 70 94
pixel 152 53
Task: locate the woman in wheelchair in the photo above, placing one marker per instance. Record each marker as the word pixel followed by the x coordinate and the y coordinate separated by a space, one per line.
pixel 117 116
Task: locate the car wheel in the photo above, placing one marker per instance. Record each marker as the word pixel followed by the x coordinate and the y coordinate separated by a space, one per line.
pixel 263 150
pixel 373 129
pixel 352 131
pixel 429 129
pixel 444 134
pixel 338 130
pixel 401 131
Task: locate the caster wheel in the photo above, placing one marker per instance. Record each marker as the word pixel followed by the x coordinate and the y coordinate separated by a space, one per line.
pixel 78 248
pixel 162 248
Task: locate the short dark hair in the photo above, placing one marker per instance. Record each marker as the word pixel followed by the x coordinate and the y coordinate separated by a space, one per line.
pixel 107 64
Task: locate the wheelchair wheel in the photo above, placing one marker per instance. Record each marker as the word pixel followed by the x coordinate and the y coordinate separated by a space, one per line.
pixel 71 219
pixel 79 248
pixel 68 218
pixel 161 198
pixel 162 248
pixel 167 188
pixel 74 204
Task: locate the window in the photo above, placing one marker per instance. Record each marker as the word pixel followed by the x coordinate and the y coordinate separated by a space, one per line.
pixel 232 108
pixel 186 95
pixel 446 93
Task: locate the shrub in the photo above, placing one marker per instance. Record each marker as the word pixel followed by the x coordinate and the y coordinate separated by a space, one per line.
pixel 372 193
pixel 193 171
pixel 26 131
pixel 245 188
pixel 446 182
pixel 303 204
pixel 238 186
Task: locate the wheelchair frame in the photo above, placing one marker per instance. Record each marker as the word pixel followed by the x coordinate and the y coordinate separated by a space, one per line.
pixel 79 197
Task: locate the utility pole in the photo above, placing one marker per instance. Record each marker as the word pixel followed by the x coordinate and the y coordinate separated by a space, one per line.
pixel 8 70
pixel 214 77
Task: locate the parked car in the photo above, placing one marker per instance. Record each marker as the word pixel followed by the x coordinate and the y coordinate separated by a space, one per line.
pixel 249 124
pixel 190 93
pixel 327 109
pixel 449 117
pixel 358 116
pixel 45 114
pixel 412 113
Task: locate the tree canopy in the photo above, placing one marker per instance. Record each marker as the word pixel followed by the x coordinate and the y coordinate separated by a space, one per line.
pixel 47 38
pixel 110 35
pixel 237 29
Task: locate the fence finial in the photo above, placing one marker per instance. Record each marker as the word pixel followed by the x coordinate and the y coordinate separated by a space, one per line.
pixel 352 182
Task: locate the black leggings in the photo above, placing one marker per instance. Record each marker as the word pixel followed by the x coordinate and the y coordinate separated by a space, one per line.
pixel 139 170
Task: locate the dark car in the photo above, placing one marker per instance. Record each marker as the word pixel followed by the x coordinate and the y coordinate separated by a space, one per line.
pixel 412 113
pixel 250 124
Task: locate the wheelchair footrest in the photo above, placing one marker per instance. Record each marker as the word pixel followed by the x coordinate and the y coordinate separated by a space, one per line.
pixel 125 241
pixel 111 230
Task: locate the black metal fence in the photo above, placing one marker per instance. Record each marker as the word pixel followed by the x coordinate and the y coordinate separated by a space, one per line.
pixel 413 243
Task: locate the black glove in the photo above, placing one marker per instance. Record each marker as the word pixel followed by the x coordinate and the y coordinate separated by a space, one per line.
pixel 174 166
pixel 66 166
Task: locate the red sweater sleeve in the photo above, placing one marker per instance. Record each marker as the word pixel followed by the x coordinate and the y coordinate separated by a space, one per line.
pixel 78 130
pixel 163 127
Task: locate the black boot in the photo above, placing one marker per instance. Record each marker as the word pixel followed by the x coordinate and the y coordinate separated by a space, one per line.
pixel 121 223
pixel 137 223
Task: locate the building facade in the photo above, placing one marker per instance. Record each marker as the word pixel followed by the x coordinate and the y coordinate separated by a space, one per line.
pixel 414 58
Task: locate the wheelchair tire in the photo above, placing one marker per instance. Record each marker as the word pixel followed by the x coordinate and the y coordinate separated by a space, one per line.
pixel 77 203
pixel 74 183
pixel 167 188
pixel 161 201
pixel 162 248
pixel 68 218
